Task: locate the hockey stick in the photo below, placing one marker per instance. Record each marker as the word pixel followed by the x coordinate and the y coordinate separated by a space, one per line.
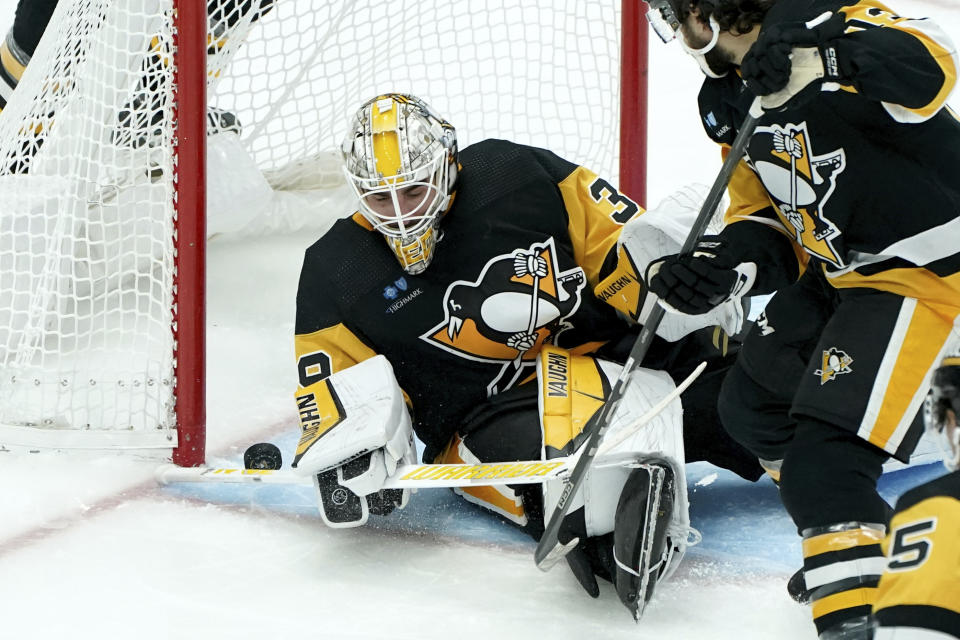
pixel 431 475
pixel 422 476
pixel 550 550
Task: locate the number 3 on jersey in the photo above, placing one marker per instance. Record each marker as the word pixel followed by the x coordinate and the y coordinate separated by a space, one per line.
pixel 910 544
pixel 623 207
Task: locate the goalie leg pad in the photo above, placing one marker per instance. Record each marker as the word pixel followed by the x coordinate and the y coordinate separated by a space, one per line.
pixel 641 548
pixel 572 388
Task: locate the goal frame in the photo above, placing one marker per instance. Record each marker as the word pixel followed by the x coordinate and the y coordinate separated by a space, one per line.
pixel 190 108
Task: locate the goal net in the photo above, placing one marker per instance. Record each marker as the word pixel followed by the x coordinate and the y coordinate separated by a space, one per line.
pixel 92 182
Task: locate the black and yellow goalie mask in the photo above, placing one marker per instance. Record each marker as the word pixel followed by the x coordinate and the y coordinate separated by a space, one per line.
pixel 401 160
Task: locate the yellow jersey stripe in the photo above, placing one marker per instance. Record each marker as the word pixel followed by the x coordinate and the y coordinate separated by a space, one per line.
pixel 918 353
pixel 908 282
pixel 344 348
pixel 947 61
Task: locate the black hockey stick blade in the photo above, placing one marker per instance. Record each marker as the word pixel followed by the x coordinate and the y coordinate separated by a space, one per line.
pixel 549 549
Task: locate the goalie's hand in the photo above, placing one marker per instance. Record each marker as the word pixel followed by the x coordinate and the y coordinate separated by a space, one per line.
pixel 352 491
pixel 694 283
pixel 351 447
pixel 795 54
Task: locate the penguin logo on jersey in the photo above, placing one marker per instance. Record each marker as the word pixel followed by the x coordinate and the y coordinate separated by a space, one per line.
pixel 800 183
pixel 520 301
pixel 833 363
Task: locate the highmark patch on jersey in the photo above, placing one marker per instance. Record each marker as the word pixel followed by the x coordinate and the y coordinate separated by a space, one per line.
pixel 800 182
pixel 519 302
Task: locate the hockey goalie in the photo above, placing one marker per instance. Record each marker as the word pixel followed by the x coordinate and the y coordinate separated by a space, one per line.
pixel 630 517
pixel 479 300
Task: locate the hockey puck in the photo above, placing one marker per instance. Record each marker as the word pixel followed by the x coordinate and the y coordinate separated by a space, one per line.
pixel 262 455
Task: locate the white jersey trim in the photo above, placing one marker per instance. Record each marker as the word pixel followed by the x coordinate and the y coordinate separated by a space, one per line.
pixel 923 248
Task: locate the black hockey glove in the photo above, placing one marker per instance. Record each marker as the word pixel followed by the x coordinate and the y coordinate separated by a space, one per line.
pixel 768 64
pixel 696 282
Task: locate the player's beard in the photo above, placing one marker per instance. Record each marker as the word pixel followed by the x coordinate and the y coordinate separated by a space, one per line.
pixel 717 61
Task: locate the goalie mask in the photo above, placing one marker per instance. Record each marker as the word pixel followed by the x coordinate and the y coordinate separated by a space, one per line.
pixel 401 160
pixel 943 410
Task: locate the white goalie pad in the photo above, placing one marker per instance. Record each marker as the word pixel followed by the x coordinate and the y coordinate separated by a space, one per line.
pixel 660 232
pixel 661 437
pixel 358 410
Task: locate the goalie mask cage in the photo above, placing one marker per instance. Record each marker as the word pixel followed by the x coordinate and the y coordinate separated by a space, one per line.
pixel 102 167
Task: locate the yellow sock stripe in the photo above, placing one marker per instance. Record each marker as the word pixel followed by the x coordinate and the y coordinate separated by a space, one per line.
pixel 10 64
pixel 839 540
pixel 844 600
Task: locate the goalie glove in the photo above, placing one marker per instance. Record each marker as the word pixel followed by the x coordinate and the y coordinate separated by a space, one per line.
pixel 356 432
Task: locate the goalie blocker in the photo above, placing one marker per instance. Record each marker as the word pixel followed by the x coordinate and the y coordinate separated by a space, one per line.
pixel 629 524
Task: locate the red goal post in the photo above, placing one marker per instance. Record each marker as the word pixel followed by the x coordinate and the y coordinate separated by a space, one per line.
pixel 109 165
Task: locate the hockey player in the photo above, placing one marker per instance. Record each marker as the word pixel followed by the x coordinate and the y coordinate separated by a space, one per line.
pixel 144 109
pixel 919 592
pixel 457 272
pixel 29 23
pixel 850 179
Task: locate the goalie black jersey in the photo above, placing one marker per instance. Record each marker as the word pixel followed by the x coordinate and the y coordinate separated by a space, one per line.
pixel 864 177
pixel 920 589
pixel 472 323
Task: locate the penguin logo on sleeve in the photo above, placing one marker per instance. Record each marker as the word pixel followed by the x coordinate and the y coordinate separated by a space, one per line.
pixel 520 302
pixel 833 363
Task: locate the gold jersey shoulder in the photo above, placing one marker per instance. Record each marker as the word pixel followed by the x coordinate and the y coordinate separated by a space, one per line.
pixel 921 585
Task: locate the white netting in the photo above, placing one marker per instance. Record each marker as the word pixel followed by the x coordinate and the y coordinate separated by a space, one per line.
pixel 86 162
pixel 85 234
pixel 543 73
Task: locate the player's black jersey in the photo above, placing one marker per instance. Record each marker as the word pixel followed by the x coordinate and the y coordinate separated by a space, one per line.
pixel 469 325
pixel 920 588
pixel 864 177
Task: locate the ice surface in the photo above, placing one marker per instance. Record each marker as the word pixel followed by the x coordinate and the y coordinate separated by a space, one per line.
pixel 91 547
